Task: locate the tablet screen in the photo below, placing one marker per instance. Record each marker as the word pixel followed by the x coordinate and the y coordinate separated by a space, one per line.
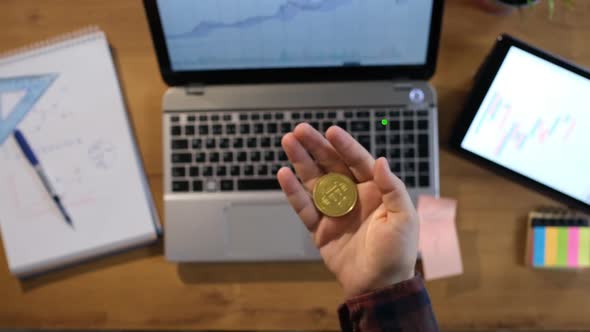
pixel 535 120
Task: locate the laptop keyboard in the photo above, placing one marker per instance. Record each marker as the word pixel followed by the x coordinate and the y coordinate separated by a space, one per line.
pixel 241 150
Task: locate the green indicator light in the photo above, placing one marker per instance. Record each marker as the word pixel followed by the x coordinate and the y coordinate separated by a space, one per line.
pixel 384 122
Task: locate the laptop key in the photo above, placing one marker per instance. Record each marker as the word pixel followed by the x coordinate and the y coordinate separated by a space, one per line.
pixel 217 129
pixel 396 167
pixel 228 156
pixel 279 116
pixel 394 153
pixel 224 143
pixel 271 128
pixel 254 156
pixel 278 140
pixel 181 158
pixel 307 116
pixel 315 125
pixel 207 171
pixel 179 144
pixel 258 128
pixel 424 180
pixel 410 181
pixel 360 126
pixel 409 152
pixel 221 171
pixel 258 184
pixel 189 130
pixel 174 119
pixel 210 143
pixel 255 116
pixel 200 157
pixel 408 124
pixel 215 117
pixel 285 127
pixel 203 130
pixel 265 142
pixel 234 170
pixel 243 117
pixel 381 139
pixel 176 130
pixel 242 156
pixel 363 114
pixel 381 153
pixel 409 166
pixel 197 143
pixel 423 166
pixel 197 185
pixel 244 128
pixel 342 124
pixel 238 143
pixel 266 116
pixel 262 170
pixel 348 115
pixel 178 172
pixel 213 157
pixel 326 125
pixel 269 155
pixel 203 118
pixel 227 185
pixel 230 129
pixel 249 170
pixel 320 115
pixel 194 171
pixel 295 115
pixel 423 124
pixel 227 117
pixel 332 115
pixel 408 139
pixel 180 186
pixel 252 142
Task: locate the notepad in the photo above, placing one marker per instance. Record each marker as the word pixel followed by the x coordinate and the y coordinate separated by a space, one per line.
pixel 439 244
pixel 64 95
pixel 558 239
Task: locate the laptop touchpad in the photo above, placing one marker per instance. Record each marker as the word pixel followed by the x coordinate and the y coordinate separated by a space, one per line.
pixel 268 231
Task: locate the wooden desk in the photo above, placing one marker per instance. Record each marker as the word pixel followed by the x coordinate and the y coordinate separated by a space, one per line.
pixel 139 290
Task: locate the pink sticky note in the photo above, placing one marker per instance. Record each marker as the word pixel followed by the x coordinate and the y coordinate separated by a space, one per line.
pixel 439 246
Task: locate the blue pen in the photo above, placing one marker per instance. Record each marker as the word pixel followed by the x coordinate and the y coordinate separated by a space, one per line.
pixel 26 149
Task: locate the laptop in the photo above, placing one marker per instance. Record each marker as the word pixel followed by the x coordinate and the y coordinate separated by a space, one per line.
pixel 241 74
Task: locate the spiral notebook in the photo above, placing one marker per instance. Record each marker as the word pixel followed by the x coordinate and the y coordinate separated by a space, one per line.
pixel 64 95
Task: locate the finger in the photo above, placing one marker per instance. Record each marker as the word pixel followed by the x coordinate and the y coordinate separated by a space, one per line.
pixel 299 198
pixel 322 151
pixel 306 168
pixel 395 195
pixel 354 155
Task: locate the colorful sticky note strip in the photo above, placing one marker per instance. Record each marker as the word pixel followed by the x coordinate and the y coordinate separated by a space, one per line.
pixel 567 247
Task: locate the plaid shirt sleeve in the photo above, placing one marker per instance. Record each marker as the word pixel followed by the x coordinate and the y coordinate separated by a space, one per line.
pixel 402 307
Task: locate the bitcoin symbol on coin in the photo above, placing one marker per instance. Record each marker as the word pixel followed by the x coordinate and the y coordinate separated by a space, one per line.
pixel 335 195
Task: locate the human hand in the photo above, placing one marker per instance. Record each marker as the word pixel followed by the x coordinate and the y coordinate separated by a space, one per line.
pixel 375 245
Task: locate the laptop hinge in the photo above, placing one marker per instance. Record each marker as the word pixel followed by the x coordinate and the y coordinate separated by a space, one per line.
pixel 195 89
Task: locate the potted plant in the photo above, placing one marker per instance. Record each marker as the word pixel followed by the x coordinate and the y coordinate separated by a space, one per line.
pixel 508 6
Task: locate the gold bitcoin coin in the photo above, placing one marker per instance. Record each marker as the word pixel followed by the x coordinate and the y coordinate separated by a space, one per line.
pixel 334 195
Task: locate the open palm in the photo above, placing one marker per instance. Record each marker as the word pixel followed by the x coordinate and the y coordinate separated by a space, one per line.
pixel 376 244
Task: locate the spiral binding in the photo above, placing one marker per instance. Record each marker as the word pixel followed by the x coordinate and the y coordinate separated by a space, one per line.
pixel 43 46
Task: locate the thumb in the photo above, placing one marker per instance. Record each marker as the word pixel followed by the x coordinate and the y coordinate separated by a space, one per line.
pixel 393 190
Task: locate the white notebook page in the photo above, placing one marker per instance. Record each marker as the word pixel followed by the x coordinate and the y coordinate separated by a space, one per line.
pixel 81 135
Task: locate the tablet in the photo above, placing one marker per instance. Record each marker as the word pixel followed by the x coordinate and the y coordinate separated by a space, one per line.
pixel 528 117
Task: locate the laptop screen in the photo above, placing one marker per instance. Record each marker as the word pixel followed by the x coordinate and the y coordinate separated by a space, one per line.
pixel 209 35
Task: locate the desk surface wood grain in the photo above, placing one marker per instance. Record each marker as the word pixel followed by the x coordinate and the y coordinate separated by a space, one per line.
pixel 140 290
